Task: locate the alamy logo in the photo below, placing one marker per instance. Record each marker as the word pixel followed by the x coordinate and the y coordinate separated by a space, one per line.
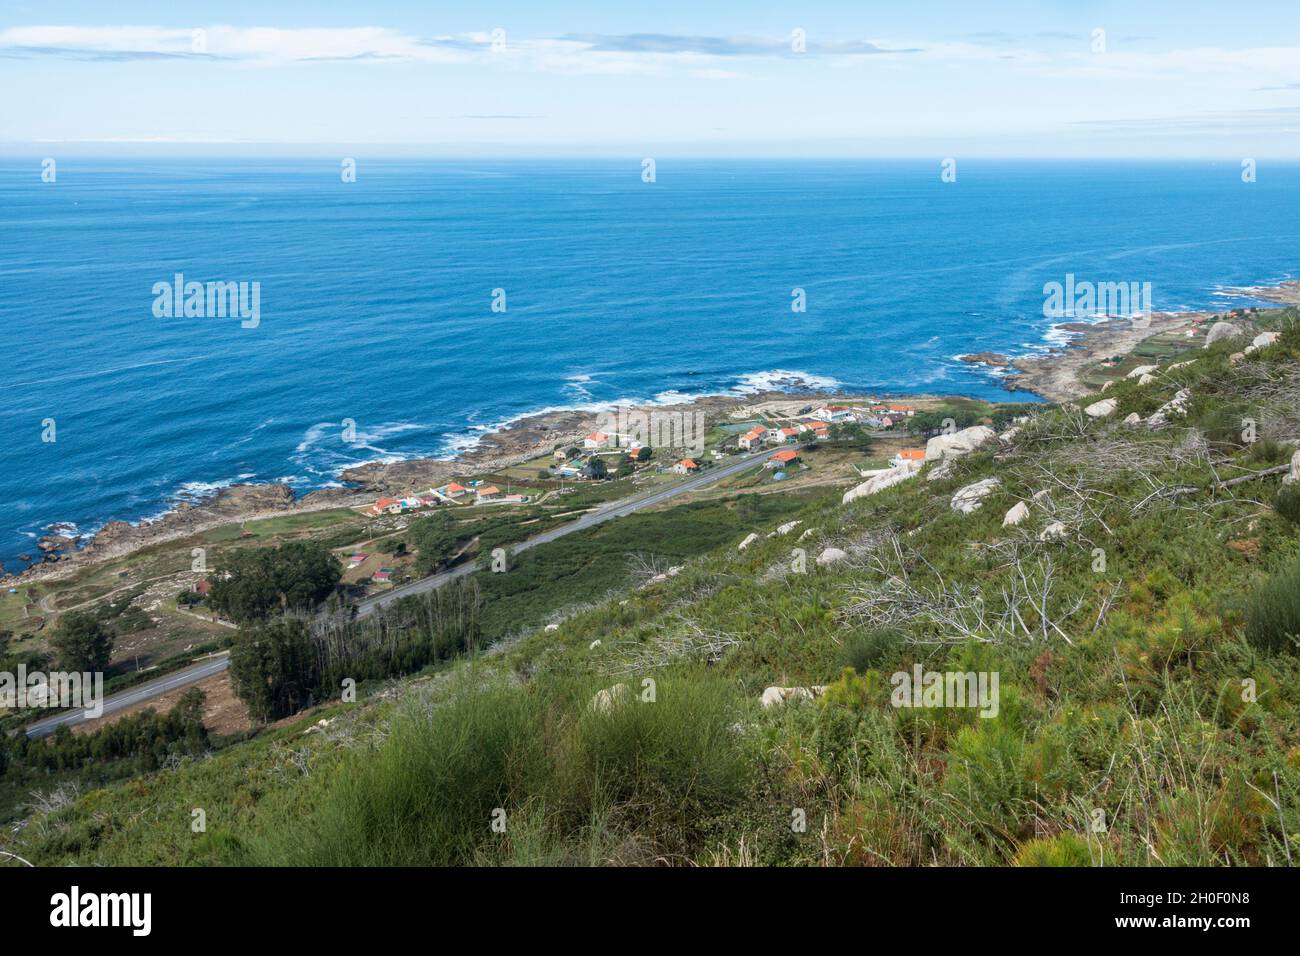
pixel 628 427
pixel 1089 299
pixel 946 689
pixel 211 300
pixel 56 689
pixel 75 909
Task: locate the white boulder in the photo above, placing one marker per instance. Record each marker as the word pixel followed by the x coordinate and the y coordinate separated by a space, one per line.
pixel 1142 370
pixel 831 556
pixel 785 528
pixel 1175 406
pixel 1053 532
pixel 606 699
pixel 776 696
pixel 887 478
pixel 1103 408
pixel 1294 474
pixel 1132 418
pixel 1017 513
pixel 970 498
pixel 958 443
pixel 1260 341
pixel 747 542
pixel 1220 331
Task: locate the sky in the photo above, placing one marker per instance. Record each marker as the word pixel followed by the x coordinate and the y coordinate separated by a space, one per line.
pixel 1025 78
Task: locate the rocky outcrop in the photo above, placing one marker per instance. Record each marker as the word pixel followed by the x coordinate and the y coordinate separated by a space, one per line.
pixel 750 539
pixel 1220 331
pixel 1293 475
pixel 958 443
pixel 1263 340
pixel 971 497
pixel 785 528
pixel 1142 370
pixel 776 696
pixel 1017 513
pixel 832 556
pixel 606 700
pixel 993 359
pixel 1103 408
pixel 1055 531
pixel 1132 418
pixel 885 478
pixel 1176 406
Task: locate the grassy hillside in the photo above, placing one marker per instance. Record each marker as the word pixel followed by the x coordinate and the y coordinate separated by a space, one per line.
pixel 1141 623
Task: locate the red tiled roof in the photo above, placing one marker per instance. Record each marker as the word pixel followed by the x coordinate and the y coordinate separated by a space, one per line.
pixel 787 455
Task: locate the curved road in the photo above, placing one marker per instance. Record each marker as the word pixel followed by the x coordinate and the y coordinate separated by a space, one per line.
pixel 616 510
pixel 198 672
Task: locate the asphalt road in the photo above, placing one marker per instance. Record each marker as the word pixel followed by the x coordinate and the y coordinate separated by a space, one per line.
pixel 198 672
pixel 608 513
pixel 135 695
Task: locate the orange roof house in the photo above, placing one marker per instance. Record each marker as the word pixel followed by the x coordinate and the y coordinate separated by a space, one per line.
pixel 787 456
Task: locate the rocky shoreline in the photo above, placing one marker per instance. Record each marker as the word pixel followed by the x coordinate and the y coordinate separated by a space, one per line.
pixel 1053 375
pixel 524 439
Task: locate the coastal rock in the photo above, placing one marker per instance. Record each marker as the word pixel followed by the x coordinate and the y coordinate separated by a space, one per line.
pixel 958 443
pixel 885 479
pixel 1017 513
pixel 1055 531
pixel 747 542
pixel 1142 370
pixel 776 696
pixel 1103 408
pixel 1220 331
pixel 994 359
pixel 970 498
pixel 831 556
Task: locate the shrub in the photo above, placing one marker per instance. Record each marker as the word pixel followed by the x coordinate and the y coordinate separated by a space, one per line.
pixel 1064 849
pixel 869 650
pixel 1287 502
pixel 1273 615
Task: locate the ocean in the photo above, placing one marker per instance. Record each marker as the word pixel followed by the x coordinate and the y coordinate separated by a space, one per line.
pixel 376 298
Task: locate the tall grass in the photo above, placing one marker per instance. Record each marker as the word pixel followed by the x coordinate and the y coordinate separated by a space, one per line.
pixel 1273 618
pixel 640 782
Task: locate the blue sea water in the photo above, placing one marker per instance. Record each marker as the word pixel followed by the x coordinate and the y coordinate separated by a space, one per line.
pixel 376 298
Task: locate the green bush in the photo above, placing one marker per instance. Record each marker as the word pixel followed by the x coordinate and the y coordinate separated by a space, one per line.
pixel 1273 615
pixel 1064 849
pixel 567 780
pixel 869 650
pixel 1287 503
